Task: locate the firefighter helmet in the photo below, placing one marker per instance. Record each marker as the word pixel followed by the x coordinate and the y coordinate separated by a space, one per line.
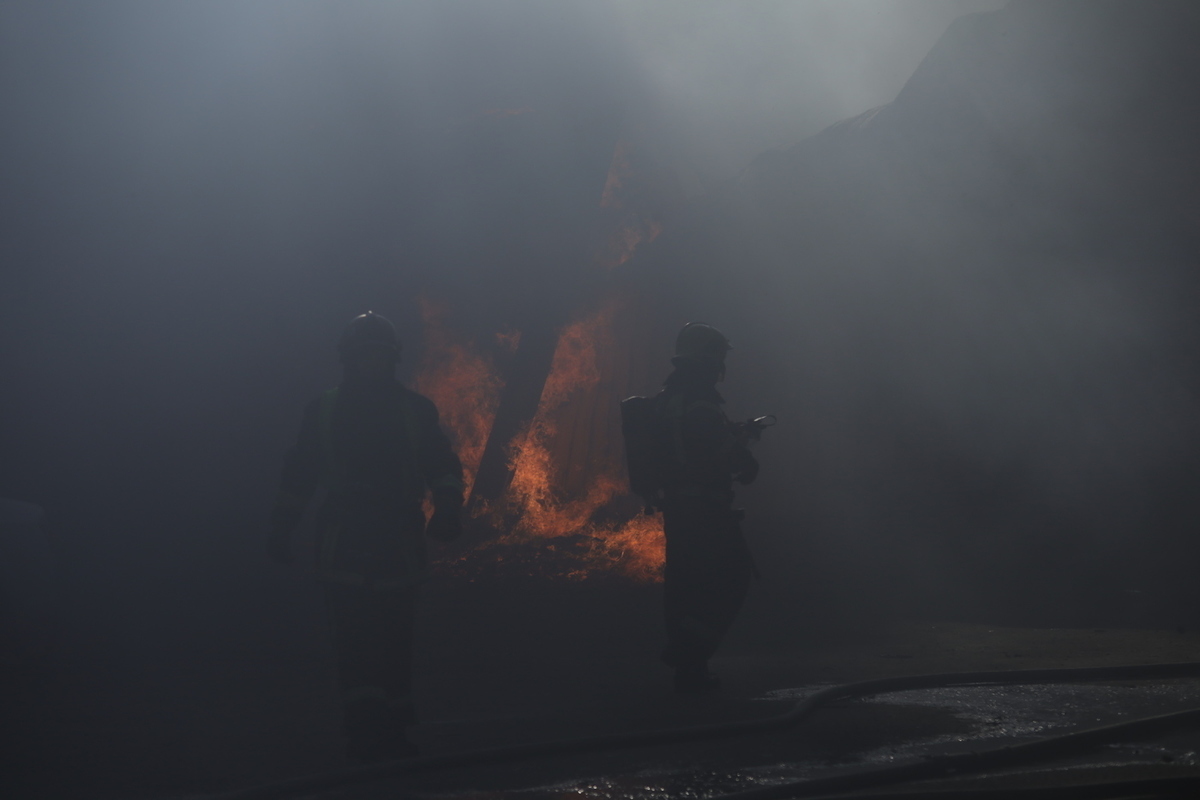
pixel 368 330
pixel 701 340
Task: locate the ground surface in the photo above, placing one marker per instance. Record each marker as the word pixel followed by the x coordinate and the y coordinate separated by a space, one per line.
pixel 109 716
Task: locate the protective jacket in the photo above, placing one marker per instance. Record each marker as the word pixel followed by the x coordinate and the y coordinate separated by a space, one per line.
pixel 376 450
pixel 707 454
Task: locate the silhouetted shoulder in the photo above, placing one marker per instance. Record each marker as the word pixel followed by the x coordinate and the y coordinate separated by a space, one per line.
pixel 421 404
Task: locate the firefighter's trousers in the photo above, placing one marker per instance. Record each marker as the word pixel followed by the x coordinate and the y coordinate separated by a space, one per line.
pixel 707 574
pixel 372 635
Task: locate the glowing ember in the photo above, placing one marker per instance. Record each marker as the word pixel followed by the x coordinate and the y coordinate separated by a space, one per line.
pixel 463 384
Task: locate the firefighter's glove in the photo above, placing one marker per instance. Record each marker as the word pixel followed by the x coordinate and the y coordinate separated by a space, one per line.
pixel 279 547
pixel 746 468
pixel 446 523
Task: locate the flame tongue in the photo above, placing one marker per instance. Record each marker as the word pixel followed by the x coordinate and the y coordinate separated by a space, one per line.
pixel 463 384
pixel 568 488
pixel 567 511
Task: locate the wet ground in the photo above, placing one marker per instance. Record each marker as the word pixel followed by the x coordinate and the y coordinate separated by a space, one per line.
pixel 208 710
pixel 886 730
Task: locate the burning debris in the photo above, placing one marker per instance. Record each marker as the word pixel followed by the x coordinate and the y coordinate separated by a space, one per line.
pixel 568 480
pixel 567 512
pixel 561 507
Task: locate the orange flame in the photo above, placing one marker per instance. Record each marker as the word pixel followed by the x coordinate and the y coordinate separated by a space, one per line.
pixel 463 384
pixel 567 511
pixel 633 547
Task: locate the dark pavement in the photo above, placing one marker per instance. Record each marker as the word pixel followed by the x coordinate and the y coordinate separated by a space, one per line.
pixel 133 705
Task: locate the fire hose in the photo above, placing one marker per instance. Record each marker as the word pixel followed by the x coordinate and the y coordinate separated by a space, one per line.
pixel 957 765
pixel 1185 788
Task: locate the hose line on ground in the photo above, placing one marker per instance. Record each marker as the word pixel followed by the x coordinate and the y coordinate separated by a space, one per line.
pixel 512 753
pixel 1186 786
pixel 1067 744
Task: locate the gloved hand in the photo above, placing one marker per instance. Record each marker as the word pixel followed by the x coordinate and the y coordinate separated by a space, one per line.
pixel 279 547
pixel 446 523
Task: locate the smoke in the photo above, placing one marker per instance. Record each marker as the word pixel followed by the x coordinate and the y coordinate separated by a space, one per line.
pixel 975 302
pixel 728 81
pixel 196 196
pixel 972 309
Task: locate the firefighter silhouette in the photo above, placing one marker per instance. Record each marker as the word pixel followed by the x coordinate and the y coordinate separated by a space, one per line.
pixel 376 449
pixel 684 455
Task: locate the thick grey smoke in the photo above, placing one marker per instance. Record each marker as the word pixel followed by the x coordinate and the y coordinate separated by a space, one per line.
pixel 731 80
pixel 196 195
pixel 977 297
pixel 972 310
